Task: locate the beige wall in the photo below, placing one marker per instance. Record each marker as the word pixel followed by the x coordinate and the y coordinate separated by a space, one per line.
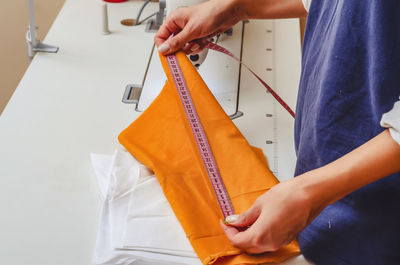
pixel 13 26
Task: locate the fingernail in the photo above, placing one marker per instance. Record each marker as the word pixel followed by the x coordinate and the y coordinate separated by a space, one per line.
pixel 195 47
pixel 231 218
pixel 164 47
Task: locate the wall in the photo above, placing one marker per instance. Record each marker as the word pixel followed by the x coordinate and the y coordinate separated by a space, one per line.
pixel 13 27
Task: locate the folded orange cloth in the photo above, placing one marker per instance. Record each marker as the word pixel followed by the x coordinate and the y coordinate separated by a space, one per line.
pixel 161 139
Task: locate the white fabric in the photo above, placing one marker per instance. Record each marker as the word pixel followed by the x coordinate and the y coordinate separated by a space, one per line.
pixel 127 177
pixel 391 120
pixel 297 260
pixel 307 4
pixel 137 225
pixel 102 166
pixel 149 208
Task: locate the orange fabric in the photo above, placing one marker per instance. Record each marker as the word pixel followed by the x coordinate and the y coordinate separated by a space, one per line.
pixel 162 140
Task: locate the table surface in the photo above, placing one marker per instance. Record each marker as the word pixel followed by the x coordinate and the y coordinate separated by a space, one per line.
pixel 68 105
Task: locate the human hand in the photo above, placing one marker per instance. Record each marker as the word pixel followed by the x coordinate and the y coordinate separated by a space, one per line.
pixel 275 219
pixel 281 213
pixel 192 26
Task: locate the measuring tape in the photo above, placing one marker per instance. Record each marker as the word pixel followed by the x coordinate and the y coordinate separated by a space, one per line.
pixel 201 139
pixel 197 128
pixel 218 48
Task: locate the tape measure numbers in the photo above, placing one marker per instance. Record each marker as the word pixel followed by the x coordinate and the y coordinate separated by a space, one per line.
pixel 197 129
pixel 200 137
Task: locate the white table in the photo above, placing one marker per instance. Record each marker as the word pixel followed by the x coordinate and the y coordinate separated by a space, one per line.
pixel 69 104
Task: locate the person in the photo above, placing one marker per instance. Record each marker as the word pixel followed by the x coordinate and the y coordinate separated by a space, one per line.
pixel 344 203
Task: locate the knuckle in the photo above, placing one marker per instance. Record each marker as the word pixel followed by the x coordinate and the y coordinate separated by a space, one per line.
pixel 235 244
pixel 173 15
pixel 167 23
pixel 192 29
pixel 257 241
pixel 174 43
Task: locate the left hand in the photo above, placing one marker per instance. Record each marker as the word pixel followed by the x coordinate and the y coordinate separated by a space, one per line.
pixel 274 220
pixel 189 28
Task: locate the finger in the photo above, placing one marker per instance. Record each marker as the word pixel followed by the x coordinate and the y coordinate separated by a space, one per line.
pixel 172 25
pixel 191 48
pixel 247 218
pixel 262 240
pixel 203 42
pixel 170 29
pixel 246 240
pixel 162 34
pixel 219 31
pixel 238 239
pixel 187 48
pixel 230 231
pixel 176 42
pixel 202 45
pixel 243 240
pixel 199 50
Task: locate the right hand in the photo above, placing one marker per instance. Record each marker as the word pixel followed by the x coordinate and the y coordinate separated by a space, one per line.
pixel 192 26
pixel 276 217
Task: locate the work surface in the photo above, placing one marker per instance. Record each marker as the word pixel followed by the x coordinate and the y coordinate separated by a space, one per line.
pixel 69 105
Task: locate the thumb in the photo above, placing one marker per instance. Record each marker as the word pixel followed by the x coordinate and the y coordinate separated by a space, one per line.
pixel 247 218
pixel 176 42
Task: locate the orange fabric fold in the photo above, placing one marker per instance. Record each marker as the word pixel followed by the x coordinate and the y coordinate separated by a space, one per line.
pixel 162 140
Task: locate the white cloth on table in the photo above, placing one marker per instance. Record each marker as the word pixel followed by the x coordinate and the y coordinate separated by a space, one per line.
pixel 149 208
pixel 137 224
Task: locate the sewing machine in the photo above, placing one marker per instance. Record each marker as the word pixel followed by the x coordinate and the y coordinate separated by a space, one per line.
pixel 220 73
pixel 68 104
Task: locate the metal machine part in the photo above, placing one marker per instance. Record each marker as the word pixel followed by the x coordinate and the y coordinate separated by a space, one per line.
pixel 32 44
pixel 198 59
pixel 160 13
pixel 221 74
pixel 105 28
pixel 154 24
pixel 132 94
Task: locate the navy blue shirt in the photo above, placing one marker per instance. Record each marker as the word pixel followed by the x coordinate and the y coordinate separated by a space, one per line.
pixel 350 77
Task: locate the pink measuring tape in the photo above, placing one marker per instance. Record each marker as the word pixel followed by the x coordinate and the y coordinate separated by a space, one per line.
pixel 197 128
pixel 200 137
pixel 218 48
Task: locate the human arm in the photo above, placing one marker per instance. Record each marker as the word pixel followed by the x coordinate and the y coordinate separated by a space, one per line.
pixel 197 23
pixel 280 214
